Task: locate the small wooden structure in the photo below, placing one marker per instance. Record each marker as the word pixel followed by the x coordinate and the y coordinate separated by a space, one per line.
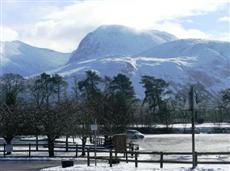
pixel 67 163
pixel 119 142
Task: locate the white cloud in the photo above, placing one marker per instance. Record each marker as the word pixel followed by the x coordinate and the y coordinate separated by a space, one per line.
pixel 224 19
pixel 220 36
pixel 179 31
pixel 7 34
pixel 62 30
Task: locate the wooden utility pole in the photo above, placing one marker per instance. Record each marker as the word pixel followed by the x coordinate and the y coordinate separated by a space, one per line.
pixel 95 141
pixel 191 105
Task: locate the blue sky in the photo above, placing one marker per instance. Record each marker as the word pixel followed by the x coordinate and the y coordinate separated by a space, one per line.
pixel 61 24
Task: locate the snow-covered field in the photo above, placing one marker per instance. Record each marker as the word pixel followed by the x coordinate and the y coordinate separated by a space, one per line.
pixel 188 125
pixel 141 167
pixel 165 143
pixel 161 142
pixel 182 142
pixel 170 143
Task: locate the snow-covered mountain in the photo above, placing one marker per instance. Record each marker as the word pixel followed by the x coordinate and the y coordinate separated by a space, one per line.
pixel 180 62
pixel 212 60
pixel 110 50
pixel 116 40
pixel 26 60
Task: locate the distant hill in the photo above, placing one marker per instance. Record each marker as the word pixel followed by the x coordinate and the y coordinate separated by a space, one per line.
pixel 26 60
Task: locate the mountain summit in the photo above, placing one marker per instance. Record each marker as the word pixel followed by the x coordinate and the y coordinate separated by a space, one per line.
pixel 116 40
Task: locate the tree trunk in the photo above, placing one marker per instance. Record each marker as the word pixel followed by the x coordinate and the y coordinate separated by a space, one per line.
pixel 73 139
pixel 8 142
pixel 66 143
pixel 58 92
pixel 167 122
pixel 51 146
pixel 84 138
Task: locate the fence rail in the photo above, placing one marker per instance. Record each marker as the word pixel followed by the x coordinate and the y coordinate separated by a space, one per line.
pixel 109 154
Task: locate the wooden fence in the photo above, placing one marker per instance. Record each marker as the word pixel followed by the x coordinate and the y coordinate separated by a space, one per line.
pixel 135 154
pixel 109 154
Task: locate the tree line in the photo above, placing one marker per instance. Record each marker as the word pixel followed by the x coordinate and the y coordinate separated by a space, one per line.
pixel 48 105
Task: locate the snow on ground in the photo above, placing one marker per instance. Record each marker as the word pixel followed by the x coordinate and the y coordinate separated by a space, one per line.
pixel 188 125
pixel 160 142
pixel 182 142
pixel 204 125
pixel 141 167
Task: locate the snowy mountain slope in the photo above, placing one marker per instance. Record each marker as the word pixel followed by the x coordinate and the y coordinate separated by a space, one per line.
pixel 190 47
pixel 116 40
pixel 170 69
pixel 213 58
pixel 21 58
pixel 179 62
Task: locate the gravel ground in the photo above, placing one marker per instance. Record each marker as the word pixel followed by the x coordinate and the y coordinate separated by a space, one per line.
pixel 27 165
pixel 38 165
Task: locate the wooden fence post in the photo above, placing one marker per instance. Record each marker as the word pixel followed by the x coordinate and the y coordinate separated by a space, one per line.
pixel 76 150
pixel 110 158
pixel 136 164
pixel 132 149
pixel 36 142
pixel 161 159
pixel 195 158
pixel 4 149
pixel 29 150
pixel 88 159
pixel 126 156
pixel 115 154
